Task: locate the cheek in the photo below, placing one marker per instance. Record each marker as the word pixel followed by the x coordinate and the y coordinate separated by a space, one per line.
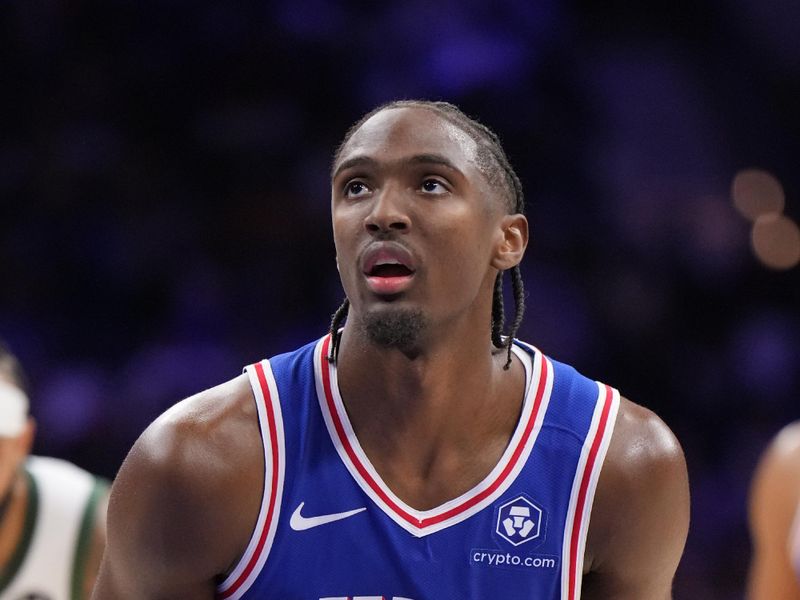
pixel 344 239
pixel 9 463
pixel 465 243
pixel 346 223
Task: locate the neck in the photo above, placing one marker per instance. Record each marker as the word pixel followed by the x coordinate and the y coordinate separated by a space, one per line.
pixel 452 388
pixel 433 422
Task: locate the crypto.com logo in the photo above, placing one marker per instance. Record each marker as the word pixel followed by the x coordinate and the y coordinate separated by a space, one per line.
pixel 519 521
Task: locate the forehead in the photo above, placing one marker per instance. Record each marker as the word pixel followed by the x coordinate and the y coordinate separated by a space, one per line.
pixel 400 132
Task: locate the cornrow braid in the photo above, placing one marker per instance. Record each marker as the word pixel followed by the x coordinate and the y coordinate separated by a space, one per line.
pixel 498 314
pixel 519 301
pixel 495 166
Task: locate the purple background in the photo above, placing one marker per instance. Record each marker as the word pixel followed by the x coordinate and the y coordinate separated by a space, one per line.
pixel 164 203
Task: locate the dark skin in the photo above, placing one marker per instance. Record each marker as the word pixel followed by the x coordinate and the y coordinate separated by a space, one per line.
pixel 185 501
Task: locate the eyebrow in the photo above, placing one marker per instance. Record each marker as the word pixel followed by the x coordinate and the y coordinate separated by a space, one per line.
pixel 417 159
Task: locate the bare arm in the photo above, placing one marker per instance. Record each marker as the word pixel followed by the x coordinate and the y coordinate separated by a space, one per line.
pixel 640 517
pixel 185 501
pixel 773 503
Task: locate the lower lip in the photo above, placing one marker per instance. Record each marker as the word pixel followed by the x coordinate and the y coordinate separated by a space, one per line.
pixel 386 286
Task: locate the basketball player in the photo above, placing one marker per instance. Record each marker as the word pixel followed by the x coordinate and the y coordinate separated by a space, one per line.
pixel 414 452
pixel 52 514
pixel 775 520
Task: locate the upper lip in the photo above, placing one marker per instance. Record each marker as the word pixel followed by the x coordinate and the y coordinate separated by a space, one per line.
pixel 381 253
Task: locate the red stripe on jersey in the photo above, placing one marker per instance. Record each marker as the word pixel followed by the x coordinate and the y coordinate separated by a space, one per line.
pixel 364 473
pixel 273 437
pixel 581 503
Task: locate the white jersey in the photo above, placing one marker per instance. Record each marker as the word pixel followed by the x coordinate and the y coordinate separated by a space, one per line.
pixel 49 560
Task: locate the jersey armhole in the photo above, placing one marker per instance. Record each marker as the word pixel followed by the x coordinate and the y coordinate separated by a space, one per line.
pixel 84 539
pixel 584 485
pixel 270 421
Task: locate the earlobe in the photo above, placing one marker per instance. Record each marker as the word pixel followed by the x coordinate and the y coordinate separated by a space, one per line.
pixel 512 243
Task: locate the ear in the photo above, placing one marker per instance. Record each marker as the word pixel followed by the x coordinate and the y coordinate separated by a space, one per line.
pixel 511 243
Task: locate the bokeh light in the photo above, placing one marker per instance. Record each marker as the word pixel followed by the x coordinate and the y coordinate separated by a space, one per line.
pixel 756 192
pixel 776 241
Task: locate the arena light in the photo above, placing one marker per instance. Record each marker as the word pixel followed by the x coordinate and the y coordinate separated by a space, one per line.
pixel 775 240
pixel 756 193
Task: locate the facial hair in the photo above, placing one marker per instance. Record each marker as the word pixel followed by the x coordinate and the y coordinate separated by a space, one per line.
pixel 400 329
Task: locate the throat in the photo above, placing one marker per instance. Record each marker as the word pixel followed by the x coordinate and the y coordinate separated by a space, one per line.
pixel 427 483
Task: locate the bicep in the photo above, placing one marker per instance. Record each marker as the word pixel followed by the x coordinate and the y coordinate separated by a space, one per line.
pixel 641 515
pixel 158 545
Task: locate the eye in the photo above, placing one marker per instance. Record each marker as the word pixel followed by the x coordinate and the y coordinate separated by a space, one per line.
pixel 433 186
pixel 354 189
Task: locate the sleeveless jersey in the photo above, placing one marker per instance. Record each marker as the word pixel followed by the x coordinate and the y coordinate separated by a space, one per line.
pixel 330 529
pixel 49 559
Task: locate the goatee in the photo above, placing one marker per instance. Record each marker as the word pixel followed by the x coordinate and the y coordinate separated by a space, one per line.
pixel 399 329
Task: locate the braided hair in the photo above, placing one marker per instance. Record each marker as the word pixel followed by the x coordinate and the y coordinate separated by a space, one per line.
pixel 495 166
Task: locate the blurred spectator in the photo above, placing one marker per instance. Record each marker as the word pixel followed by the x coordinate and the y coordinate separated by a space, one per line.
pixel 52 514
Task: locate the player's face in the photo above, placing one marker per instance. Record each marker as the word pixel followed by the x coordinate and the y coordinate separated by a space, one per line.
pixel 416 224
pixel 13 451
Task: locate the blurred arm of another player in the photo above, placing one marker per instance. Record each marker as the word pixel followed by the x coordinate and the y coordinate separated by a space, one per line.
pixel 185 501
pixel 640 518
pixel 774 501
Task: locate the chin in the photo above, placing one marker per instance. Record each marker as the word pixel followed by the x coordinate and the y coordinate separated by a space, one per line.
pixel 394 327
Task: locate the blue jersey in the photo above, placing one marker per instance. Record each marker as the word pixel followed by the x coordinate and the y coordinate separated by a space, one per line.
pixel 330 529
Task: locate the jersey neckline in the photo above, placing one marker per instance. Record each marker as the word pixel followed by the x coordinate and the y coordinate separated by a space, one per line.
pixel 538 385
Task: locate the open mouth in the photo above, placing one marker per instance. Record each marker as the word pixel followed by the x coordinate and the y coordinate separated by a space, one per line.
pixel 389 268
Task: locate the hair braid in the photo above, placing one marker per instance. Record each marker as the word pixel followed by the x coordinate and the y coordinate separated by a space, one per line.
pixel 519 301
pixel 336 336
pixel 498 314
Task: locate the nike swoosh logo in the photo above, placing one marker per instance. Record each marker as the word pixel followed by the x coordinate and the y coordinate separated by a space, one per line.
pixel 300 523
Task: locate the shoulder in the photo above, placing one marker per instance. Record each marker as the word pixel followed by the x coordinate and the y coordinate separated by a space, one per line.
pixel 782 456
pixel 188 493
pixel 45 467
pixel 774 499
pixel 775 491
pixel 644 467
pixel 640 517
pixel 64 488
pixel 642 442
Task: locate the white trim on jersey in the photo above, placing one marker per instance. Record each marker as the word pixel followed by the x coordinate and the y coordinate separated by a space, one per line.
pixel 539 384
pixel 270 421
pixel 584 486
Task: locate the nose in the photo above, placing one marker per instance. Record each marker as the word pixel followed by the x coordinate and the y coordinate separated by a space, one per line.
pixel 387 214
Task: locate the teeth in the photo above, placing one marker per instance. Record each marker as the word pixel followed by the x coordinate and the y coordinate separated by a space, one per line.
pixel 388 261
